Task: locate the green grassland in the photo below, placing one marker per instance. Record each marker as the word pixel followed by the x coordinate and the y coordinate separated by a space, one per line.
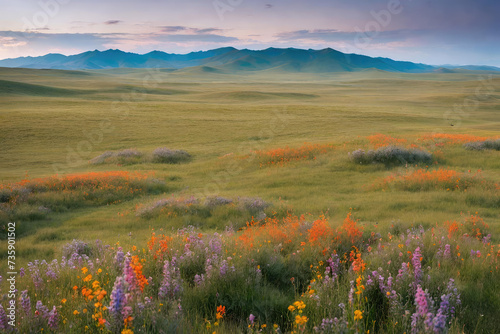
pixel 45 114
pixel 56 122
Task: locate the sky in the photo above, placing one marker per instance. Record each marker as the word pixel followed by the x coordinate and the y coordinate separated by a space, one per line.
pixel 436 32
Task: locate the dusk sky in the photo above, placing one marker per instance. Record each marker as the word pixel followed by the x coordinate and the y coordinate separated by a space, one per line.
pixel 434 32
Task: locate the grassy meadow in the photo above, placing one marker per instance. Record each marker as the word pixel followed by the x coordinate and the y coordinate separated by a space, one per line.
pixel 264 149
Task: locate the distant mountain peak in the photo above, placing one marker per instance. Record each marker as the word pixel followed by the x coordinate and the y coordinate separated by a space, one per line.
pixel 229 59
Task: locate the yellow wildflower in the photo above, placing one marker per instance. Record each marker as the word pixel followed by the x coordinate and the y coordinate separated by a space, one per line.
pixel 301 320
pixel 299 305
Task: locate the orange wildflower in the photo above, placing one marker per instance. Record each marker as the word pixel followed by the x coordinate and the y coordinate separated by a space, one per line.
pixel 282 156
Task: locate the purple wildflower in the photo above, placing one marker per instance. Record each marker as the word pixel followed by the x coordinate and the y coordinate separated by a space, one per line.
pixel 423 312
pixel 208 267
pixel 447 251
pixel 223 268
pixel 198 280
pixel 474 253
pixel 35 274
pixel 119 257
pixel 327 325
pixel 25 302
pixel 369 281
pixel 53 318
pixel 165 285
pixel 77 247
pixel 402 273
pixel 429 318
pixel 51 274
pixel 381 283
pixel 453 294
pixel 118 298
pixel 331 270
pixel 43 311
pixel 215 245
pixel 4 321
pixel 171 285
pixel 417 266
pixel 439 322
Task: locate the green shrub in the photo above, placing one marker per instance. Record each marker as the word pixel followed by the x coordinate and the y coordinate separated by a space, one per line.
pixel 391 155
pixel 168 156
pixel 483 145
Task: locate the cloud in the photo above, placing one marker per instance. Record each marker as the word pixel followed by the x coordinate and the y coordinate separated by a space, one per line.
pixel 206 38
pixel 16 43
pixel 172 28
pixel 189 30
pixel 110 22
pixel 326 35
pixel 40 29
pixel 205 31
pixel 183 34
pixel 47 41
pixel 354 37
pixel 11 42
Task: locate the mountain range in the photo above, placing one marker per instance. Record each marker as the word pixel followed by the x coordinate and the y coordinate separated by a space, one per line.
pixel 231 60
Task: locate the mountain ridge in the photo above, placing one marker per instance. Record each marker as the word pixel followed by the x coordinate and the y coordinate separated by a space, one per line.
pixel 230 59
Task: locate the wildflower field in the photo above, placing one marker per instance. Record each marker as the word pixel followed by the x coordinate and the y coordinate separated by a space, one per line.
pixel 295 274
pixel 205 213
